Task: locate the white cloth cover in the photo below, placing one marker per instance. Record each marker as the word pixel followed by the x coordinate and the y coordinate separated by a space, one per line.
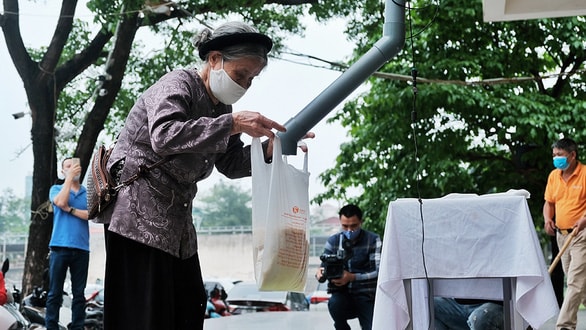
pixel 466 237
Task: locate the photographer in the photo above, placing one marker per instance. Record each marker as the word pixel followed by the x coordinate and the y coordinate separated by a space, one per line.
pixel 350 263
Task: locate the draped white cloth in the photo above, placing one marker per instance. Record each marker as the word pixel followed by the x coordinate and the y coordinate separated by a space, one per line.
pixel 465 237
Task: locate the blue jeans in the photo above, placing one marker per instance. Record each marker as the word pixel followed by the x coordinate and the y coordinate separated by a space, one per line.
pixel 449 314
pixel 77 261
pixel 344 306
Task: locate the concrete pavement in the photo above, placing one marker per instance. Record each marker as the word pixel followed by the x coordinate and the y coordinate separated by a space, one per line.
pixel 318 319
pixel 312 320
pixel 550 325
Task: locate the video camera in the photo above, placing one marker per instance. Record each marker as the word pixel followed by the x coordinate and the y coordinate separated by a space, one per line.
pixel 333 267
pixel 334 264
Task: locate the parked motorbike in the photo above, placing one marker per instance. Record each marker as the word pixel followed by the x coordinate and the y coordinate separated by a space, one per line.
pixel 28 313
pixel 10 316
pixel 94 310
pixel 33 308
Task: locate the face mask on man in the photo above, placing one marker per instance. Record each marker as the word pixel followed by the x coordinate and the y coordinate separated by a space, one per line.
pixel 224 88
pixel 561 162
pixel 351 234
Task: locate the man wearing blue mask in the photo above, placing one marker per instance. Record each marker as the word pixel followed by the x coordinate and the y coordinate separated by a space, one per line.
pixel 350 262
pixel 565 200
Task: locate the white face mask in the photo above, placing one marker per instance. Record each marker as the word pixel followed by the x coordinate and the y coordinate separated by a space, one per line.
pixel 224 88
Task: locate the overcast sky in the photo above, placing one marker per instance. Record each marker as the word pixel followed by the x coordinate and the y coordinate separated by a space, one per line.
pixel 281 91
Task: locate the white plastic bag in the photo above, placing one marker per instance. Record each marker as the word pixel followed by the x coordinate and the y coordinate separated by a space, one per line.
pixel 280 221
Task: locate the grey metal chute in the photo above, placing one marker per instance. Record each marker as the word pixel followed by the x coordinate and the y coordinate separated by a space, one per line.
pixel 383 50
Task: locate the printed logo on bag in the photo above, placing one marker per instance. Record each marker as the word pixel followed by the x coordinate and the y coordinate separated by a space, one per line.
pixel 297 210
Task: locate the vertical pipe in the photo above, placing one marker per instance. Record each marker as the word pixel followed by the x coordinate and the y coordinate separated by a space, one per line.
pixel 383 50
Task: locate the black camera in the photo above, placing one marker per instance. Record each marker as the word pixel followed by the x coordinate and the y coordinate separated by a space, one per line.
pixel 334 264
pixel 333 267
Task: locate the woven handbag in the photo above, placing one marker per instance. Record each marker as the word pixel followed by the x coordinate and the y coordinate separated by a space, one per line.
pixel 101 187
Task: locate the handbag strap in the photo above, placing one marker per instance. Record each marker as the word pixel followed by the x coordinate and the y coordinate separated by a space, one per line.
pixel 143 170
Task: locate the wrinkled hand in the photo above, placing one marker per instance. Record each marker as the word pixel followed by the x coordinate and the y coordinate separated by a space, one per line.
pixel 301 144
pixel 254 124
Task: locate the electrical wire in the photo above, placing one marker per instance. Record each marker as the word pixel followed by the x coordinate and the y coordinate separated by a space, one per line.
pixel 416 159
pixel 409 8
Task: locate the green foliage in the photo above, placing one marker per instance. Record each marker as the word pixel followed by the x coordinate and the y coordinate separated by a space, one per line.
pixel 159 49
pixel 14 212
pixel 224 205
pixel 467 139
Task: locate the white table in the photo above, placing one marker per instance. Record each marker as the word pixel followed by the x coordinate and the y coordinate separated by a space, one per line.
pixel 470 242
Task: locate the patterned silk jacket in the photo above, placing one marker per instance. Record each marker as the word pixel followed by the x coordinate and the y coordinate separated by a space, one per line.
pixel 174 118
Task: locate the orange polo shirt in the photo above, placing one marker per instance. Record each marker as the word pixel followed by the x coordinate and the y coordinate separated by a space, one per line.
pixel 569 197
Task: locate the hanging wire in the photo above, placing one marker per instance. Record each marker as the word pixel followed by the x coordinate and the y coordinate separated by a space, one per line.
pixel 416 157
pixel 409 8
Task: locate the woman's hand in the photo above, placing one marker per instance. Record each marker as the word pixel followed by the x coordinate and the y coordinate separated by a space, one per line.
pixel 254 124
pixel 301 144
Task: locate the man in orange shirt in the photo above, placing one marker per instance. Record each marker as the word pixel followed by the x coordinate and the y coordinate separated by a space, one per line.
pixel 565 200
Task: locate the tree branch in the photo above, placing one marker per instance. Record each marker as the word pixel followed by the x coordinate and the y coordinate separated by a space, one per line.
pixel 11 29
pixel 60 37
pixel 170 10
pixel 81 61
pixel 115 69
pixel 561 81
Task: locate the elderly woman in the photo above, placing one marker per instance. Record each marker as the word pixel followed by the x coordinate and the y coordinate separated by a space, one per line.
pixel 184 124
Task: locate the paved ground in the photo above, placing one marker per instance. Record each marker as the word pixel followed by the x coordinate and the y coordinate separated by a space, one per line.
pixel 550 325
pixel 317 319
pixel 313 320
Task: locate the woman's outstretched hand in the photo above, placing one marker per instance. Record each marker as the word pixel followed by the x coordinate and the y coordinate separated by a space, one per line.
pixel 255 124
pixel 302 145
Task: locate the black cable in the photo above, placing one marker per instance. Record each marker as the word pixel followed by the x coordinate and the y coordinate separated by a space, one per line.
pixel 437 6
pixel 416 159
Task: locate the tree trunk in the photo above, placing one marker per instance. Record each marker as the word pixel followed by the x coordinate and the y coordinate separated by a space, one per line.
pixel 42 104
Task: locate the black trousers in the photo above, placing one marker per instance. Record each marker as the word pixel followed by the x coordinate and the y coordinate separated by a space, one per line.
pixel 148 289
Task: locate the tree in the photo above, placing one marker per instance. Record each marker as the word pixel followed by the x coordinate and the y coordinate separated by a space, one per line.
pixel 76 68
pixel 494 98
pixel 225 205
pixel 13 214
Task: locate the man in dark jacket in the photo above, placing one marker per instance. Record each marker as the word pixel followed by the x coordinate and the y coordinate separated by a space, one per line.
pixel 350 262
